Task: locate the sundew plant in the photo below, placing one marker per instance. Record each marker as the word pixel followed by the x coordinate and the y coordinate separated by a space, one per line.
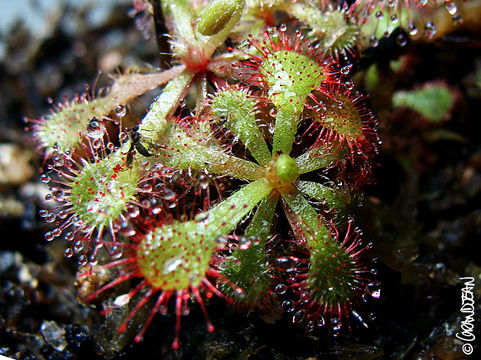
pixel 243 178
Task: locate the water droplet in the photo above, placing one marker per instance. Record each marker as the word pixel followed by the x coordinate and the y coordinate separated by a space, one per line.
pixel 50 218
pixel 430 30
pixel 44 178
pixel 450 7
pixel 43 213
pixel 68 253
pixel 335 326
pixel 379 14
pixel 82 260
pixel 115 252
pixel 97 143
pixel 283 27
pixel 123 137
pixel 93 259
pixel 289 306
pixel 349 85
pixel 95 129
pixel 394 19
pixel 221 242
pixel 374 289
pixel 401 39
pixel 273 112
pixel 78 246
pixel 244 243
pixel 299 316
pixel 321 321
pixel 56 232
pixel 346 69
pixel 204 182
pixel 169 195
pixel 373 41
pixel 281 289
pixel 412 29
pixel 58 162
pixel 171 265
pixel 120 111
pixel 49 236
pixel 69 236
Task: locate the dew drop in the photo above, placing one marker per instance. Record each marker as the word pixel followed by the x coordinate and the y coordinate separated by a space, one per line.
pixel 68 253
pixel 50 218
pixel 321 321
pixel 346 69
pixel 69 236
pixel 244 243
pixel 82 260
pixel 401 39
pixel 95 129
pixel 221 242
pixel 97 143
pixel 115 252
pixel 335 326
pixel 120 111
pixel 299 316
pixel 49 236
pixel 283 27
pixel 204 182
pixel 379 14
pixel 394 19
pixel 56 232
pixel 412 29
pixel 450 7
pixel 44 178
pixel 43 213
pixel 169 195
pixel 123 137
pixel 288 305
pixel 281 289
pixel 58 162
pixel 374 289
pixel 273 112
pixel 93 259
pixel 373 41
pixel 78 246
pixel 430 30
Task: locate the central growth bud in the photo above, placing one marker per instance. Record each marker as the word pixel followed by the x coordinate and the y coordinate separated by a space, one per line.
pixel 282 172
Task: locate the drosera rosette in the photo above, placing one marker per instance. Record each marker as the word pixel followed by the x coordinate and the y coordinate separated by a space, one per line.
pixel 178 258
pixel 326 275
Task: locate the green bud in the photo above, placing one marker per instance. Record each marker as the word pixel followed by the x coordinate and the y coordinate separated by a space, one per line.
pixel 287 170
pixel 217 14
